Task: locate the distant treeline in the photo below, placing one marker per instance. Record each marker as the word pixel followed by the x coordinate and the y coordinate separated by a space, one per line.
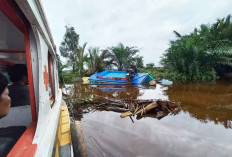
pixel 203 55
pixel 83 63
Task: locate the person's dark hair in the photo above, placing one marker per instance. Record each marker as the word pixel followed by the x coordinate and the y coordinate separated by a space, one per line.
pixel 17 72
pixel 3 83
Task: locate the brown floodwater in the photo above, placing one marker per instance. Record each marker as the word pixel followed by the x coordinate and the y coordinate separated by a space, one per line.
pixel 202 128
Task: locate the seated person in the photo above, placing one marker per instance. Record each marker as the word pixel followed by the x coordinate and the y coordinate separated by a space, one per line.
pixel 4 99
pixel 19 90
pixel 9 135
pixel 135 69
pixel 131 72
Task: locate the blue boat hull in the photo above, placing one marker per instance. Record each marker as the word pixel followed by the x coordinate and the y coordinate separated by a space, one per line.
pixel 110 77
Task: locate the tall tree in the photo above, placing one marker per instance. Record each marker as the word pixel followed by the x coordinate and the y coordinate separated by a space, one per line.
pixel 69 47
pixel 123 55
pixel 71 50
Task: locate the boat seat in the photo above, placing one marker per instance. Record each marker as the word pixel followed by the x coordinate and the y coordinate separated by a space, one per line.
pixel 6 145
pixel 8 137
pixel 17 116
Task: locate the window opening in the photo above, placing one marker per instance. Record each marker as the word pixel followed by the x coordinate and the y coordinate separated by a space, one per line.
pixel 50 74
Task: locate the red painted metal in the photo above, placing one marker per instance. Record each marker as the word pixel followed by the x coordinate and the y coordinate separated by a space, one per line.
pixel 30 76
pixel 24 146
pixel 12 51
pixel 45 75
pixel 4 62
pixel 112 78
pixel 123 79
pixel 50 73
pixel 6 8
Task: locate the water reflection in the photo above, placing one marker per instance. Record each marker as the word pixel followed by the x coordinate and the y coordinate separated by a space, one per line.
pixel 205 102
pixel 125 92
pixel 200 129
pixel 174 136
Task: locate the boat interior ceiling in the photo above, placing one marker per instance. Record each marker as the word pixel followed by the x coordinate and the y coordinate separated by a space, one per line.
pixel 12 45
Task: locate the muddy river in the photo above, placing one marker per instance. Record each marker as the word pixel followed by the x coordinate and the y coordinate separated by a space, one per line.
pixel 202 128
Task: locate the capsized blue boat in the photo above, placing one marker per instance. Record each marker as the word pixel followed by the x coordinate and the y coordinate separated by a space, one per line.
pixel 118 77
pixel 110 87
pixel 118 87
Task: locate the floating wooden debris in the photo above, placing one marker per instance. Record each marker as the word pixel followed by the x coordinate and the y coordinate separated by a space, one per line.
pixel 128 107
pixel 159 108
pixel 152 83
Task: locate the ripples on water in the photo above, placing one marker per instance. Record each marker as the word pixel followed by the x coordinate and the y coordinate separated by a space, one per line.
pixel 202 128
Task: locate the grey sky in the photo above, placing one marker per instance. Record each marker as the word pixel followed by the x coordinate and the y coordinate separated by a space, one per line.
pixel 146 24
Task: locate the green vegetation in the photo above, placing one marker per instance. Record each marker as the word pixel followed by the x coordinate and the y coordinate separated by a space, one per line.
pixel 156 72
pixel 116 57
pixel 70 49
pixel 203 55
pixel 124 55
pixel 98 62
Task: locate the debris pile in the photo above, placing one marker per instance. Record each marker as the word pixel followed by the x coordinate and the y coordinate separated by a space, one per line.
pixel 156 107
pixel 130 107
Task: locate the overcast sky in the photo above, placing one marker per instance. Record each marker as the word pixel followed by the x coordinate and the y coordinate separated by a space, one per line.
pixel 146 24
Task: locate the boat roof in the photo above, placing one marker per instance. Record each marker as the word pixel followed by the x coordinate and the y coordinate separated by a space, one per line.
pixel 35 14
pixel 112 77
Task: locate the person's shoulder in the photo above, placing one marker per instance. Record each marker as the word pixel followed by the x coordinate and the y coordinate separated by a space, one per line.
pixel 18 87
pixel 25 87
pixel 10 86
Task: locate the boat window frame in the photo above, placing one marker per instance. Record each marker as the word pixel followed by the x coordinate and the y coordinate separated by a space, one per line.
pixel 23 25
pixel 50 71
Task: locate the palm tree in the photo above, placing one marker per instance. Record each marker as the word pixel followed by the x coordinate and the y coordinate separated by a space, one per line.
pixel 97 62
pixel 205 52
pixel 81 58
pixel 123 55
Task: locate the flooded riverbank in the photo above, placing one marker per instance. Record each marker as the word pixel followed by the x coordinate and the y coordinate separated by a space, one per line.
pixel 202 128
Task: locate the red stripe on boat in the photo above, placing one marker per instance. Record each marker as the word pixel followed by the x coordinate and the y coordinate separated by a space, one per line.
pixel 112 78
